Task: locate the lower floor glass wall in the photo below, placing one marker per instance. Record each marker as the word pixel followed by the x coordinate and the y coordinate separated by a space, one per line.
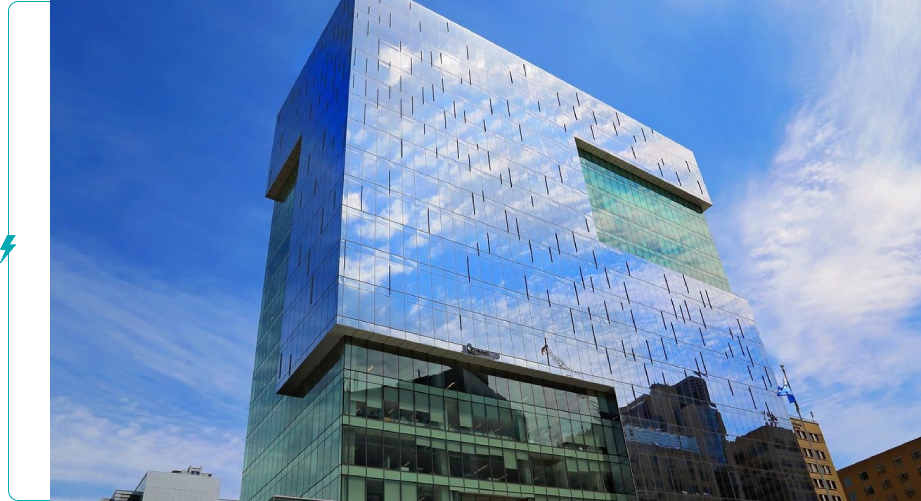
pixel 365 488
pixel 443 428
pixel 407 452
pixel 387 426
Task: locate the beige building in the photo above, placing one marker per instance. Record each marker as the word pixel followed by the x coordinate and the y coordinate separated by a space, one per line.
pixel 815 451
pixel 891 475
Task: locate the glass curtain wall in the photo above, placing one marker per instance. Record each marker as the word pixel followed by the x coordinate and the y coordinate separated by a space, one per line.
pixel 428 427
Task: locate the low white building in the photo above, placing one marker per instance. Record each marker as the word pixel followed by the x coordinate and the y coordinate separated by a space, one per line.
pixel 190 484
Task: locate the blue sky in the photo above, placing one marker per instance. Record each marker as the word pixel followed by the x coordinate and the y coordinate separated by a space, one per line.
pixel 804 119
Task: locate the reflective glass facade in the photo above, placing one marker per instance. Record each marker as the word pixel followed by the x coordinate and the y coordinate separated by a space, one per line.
pixel 447 206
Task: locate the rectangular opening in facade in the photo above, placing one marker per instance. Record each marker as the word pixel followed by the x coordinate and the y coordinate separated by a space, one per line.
pixel 283 182
pixel 642 218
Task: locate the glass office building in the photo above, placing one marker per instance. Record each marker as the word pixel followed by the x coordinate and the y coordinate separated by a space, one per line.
pixel 484 284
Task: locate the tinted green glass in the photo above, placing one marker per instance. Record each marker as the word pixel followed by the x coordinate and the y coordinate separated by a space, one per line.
pixel 643 219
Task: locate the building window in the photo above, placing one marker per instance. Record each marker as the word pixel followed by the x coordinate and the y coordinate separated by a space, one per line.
pixel 815 437
pixel 897 462
pixel 869 490
pixel 909 492
pixel 864 476
pixel 827 469
pixel 411 405
pixel 813 467
pixel 808 453
pixel 887 484
pixel 832 485
pixel 848 482
pixel 821 454
pixel 852 495
pixel 916 455
pixel 880 469
pixel 903 477
pixel 416 454
pixel 892 497
pixel 801 434
pixel 836 498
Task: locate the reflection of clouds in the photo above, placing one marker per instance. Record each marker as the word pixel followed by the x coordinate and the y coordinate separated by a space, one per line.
pixel 359 138
pixel 499 307
pixel 649 157
pixel 371 269
pixel 529 182
pixel 353 199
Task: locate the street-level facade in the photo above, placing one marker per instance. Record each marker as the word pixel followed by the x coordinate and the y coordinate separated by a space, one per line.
pixel 484 283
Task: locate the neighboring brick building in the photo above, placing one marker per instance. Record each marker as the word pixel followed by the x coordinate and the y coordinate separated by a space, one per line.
pixel 891 475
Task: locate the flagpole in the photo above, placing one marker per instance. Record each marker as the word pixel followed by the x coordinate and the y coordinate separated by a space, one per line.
pixel 808 437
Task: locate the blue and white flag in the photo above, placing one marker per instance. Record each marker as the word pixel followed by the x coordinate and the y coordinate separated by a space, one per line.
pixel 784 391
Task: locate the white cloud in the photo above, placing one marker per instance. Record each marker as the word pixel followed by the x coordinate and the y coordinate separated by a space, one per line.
pixel 116 450
pixel 200 338
pixel 146 375
pixel 831 235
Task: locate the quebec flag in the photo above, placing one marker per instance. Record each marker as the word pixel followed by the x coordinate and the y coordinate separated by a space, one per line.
pixel 784 391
